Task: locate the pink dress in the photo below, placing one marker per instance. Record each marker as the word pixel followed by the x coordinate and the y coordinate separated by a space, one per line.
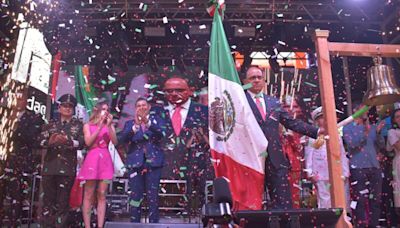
pixel 98 164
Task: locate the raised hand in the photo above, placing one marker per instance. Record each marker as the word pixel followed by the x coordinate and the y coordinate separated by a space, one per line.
pixel 109 119
pixel 52 139
pixel 380 126
pixel 137 119
pixel 103 121
pixel 61 139
pixel 142 115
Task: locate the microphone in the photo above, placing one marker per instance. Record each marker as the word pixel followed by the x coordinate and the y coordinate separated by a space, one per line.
pixel 219 211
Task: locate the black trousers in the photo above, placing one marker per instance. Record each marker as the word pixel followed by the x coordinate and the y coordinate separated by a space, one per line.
pixel 195 193
pixel 366 186
pixel 387 202
pixel 277 183
pixel 56 191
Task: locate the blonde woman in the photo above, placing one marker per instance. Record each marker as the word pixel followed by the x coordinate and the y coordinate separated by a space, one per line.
pixel 97 168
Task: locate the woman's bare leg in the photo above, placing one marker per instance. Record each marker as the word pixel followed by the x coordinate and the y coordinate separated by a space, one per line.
pixel 101 202
pixel 88 195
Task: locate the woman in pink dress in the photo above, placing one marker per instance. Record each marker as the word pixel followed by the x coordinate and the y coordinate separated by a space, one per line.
pixel 97 169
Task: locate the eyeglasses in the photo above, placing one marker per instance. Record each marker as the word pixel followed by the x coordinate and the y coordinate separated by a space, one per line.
pixel 169 91
pixel 254 77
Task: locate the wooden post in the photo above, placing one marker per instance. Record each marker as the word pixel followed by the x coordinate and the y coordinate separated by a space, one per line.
pixel 347 85
pixel 329 110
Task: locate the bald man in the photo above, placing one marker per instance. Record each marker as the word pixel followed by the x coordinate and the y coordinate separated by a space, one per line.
pixel 269 113
pixel 186 140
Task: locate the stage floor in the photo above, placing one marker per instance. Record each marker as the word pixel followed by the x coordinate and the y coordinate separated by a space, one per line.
pixel 165 222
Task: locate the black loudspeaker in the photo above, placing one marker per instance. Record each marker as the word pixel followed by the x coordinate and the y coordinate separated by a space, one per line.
pixel 289 218
pixel 148 225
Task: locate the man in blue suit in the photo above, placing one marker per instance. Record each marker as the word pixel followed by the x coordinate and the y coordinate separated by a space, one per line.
pixel 145 159
pixel 186 141
pixel 269 114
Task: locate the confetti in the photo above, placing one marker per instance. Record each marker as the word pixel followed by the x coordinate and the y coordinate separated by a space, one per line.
pixel 353 205
pixel 247 86
pixel 165 20
pixel 281 43
pixel 311 84
pixel 263 154
pixel 135 203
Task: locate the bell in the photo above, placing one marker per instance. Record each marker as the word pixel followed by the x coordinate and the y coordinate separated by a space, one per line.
pixel 382 88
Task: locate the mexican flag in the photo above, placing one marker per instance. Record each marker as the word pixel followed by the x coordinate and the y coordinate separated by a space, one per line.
pixel 237 142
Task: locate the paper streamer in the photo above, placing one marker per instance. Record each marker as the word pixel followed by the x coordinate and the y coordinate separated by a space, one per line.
pixel 351 118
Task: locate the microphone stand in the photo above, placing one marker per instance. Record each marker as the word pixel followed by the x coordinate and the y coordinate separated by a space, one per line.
pixel 211 224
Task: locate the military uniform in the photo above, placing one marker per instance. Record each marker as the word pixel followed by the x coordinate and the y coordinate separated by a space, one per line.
pixel 59 169
pixel 20 163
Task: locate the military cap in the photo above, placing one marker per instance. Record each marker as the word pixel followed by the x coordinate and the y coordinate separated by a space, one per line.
pixel 67 98
pixel 316 113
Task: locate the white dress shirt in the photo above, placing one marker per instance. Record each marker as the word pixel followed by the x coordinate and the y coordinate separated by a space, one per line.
pixel 136 127
pixel 262 100
pixel 184 111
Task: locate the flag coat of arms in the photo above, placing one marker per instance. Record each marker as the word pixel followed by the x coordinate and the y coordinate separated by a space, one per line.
pixel 236 140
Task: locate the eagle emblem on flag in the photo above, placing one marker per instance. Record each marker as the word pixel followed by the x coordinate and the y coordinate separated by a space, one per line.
pixel 222 116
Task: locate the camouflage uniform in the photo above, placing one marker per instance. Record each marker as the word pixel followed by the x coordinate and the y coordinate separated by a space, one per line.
pixel 59 169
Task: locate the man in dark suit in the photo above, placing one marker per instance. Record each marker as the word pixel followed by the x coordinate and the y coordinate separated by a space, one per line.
pixel 62 138
pixel 145 159
pixel 269 114
pixel 186 148
pixel 21 163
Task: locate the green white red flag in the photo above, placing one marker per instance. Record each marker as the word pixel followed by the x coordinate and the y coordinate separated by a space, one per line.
pixel 237 141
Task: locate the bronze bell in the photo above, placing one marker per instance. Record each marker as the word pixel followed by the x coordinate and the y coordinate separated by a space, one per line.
pixel 382 88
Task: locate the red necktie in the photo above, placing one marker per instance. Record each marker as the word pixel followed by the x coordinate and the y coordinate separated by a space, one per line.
pixel 260 107
pixel 177 120
pixel 143 126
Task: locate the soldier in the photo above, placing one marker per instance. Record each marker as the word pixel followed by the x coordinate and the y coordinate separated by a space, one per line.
pixel 62 138
pixel 317 164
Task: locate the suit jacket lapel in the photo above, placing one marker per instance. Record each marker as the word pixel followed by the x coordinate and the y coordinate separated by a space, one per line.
pixel 168 121
pixel 189 117
pixel 267 106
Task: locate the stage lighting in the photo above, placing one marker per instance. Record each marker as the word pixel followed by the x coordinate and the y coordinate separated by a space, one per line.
pixel 153 63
